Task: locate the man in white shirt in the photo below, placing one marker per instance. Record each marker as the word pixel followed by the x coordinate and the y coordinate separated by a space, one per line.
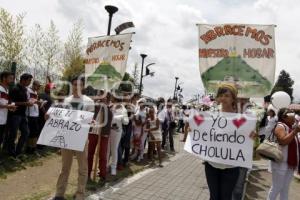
pixel 6 79
pixel 77 101
pixel 180 120
pixel 33 116
pixel 167 118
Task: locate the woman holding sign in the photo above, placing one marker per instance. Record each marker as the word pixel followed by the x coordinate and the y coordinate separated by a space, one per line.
pixel 221 179
pixel 282 172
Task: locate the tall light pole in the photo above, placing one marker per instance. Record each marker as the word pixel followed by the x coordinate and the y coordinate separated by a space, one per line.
pixel 111 10
pixel 143 58
pixel 176 78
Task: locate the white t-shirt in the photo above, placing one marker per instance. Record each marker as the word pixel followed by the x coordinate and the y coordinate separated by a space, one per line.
pixel 3 101
pixel 84 103
pixel 120 117
pixel 186 114
pixel 142 114
pixel 32 111
pixel 180 115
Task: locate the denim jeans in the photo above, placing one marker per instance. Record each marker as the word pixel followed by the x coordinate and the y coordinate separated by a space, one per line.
pixel 17 122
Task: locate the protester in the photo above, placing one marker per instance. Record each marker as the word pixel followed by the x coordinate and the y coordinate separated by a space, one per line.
pixel 180 127
pixel 185 113
pixel 167 117
pixel 33 117
pixel 124 147
pixel 154 131
pixel 137 129
pixel 271 120
pixel 282 172
pixel 142 113
pixel 77 101
pixel 120 118
pixel 18 119
pixel 6 79
pixel 102 128
pixel 221 178
pixel 47 102
pixel 264 121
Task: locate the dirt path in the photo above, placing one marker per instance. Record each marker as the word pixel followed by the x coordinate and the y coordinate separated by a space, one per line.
pixel 36 182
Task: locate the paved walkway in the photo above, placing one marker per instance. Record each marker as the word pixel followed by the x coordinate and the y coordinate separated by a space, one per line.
pixel 183 178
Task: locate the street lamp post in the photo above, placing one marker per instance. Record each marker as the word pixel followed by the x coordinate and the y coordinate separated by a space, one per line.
pixel 176 78
pixel 111 10
pixel 178 89
pixel 143 58
pixel 147 73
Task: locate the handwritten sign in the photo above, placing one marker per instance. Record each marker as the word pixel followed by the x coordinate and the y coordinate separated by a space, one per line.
pixel 222 137
pixel 243 54
pixel 105 60
pixel 67 129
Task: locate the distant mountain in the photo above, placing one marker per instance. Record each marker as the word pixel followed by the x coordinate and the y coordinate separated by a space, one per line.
pixel 235 69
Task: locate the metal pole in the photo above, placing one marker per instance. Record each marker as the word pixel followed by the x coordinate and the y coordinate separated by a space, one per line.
pixel 109 24
pixel 141 80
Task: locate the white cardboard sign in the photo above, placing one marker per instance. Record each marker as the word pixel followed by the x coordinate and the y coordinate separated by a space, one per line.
pixel 67 129
pixel 222 137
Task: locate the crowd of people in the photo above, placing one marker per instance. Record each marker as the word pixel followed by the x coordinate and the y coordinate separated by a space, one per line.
pixel 125 124
pixel 21 110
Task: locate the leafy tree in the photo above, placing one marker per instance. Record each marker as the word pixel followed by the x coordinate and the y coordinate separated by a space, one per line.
pixel 284 83
pixel 127 87
pixel 73 52
pixel 52 52
pixel 12 39
pixel 35 52
pixel 75 68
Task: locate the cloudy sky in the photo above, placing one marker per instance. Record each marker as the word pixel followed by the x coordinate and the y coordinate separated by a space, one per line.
pixel 166 31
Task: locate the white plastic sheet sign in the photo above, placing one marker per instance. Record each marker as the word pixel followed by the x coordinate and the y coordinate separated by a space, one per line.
pixel 67 129
pixel 222 137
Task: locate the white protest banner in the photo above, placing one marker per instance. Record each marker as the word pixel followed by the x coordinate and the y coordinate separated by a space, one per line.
pixel 242 54
pixel 67 129
pixel 105 60
pixel 222 137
